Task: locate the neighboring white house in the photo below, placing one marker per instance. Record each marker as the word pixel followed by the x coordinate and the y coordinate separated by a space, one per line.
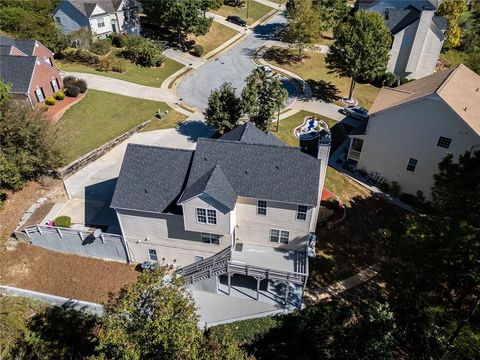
pixel 101 17
pixel 412 127
pixel 240 207
pixel 418 34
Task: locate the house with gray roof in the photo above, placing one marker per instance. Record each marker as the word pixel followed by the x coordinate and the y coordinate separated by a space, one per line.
pixel 28 66
pixel 417 34
pixel 236 209
pixel 101 17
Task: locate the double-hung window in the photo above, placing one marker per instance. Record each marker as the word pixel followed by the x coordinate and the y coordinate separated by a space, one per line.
pixel 206 216
pixel 444 142
pixel 261 207
pixel 39 94
pixel 54 84
pixel 211 239
pixel 100 23
pixel 152 254
pixel 302 212
pixel 412 164
pixel 279 236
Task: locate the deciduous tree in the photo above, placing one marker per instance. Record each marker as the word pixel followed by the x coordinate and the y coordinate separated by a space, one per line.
pixel 361 48
pixel 224 108
pixel 451 10
pixel 262 98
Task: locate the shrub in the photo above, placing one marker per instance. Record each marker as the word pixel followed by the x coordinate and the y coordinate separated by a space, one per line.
pixel 119 66
pixel 3 197
pixel 405 80
pixel 117 40
pixel 72 91
pixel 44 108
pixel 60 95
pixel 101 47
pixel 63 221
pixel 104 65
pixel 144 52
pixel 198 50
pixel 390 79
pixel 80 55
pixel 69 81
pixel 50 100
pixel 332 204
pixel 82 85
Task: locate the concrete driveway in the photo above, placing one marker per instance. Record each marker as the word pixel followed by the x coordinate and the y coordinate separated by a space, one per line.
pixel 91 189
pixel 233 66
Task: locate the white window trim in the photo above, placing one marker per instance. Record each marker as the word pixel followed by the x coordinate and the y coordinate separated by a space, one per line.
pixel 42 92
pixel 301 212
pixel 57 85
pixel 280 236
pixel 102 21
pixel 207 222
pixel 258 207
pixel 210 238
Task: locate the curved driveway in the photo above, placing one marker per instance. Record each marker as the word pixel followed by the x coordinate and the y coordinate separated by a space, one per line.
pixel 232 66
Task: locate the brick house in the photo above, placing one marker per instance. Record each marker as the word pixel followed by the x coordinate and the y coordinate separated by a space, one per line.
pixel 30 69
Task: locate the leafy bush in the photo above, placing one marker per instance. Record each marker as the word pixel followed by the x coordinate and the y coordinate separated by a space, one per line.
pixel 72 91
pixel 144 52
pixel 112 63
pixel 118 40
pixel 60 95
pixel 198 50
pixel 63 221
pixel 82 85
pixel 50 101
pixel 119 66
pixel 235 3
pixel 82 56
pixel 104 65
pixel 332 204
pixel 101 47
pixel 69 81
pixel 390 79
pixel 405 81
pixel 44 108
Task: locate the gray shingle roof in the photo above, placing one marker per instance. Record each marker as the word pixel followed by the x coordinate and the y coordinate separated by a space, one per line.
pixel 27 46
pixel 5 50
pixel 151 178
pixel 400 19
pixel 216 185
pixel 250 134
pixel 278 173
pixel 154 179
pixel 86 7
pixel 6 41
pixel 17 70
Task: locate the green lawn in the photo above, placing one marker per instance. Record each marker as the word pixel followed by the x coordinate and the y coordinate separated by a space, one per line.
pixel 255 11
pixel 216 36
pixel 328 86
pixel 134 73
pixel 454 57
pixel 101 117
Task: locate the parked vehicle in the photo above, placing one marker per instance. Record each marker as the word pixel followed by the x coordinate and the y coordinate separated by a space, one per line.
pixel 356 112
pixel 236 20
pixel 265 69
pixel 149 265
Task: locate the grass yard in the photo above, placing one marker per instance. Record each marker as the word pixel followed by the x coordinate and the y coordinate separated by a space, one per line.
pixel 453 57
pixel 216 36
pixel 255 12
pixel 325 86
pixel 102 116
pixel 134 73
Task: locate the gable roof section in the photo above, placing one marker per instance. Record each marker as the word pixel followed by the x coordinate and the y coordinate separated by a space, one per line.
pixel 26 46
pixel 400 19
pixel 151 178
pixel 17 70
pixel 215 184
pixel 411 91
pixel 277 173
pixel 458 86
pixel 250 134
pixel 86 7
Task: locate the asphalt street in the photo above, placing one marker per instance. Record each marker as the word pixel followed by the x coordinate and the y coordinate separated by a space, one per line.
pixel 233 67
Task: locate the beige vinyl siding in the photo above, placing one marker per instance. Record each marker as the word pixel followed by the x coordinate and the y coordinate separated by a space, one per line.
pixel 162 230
pixel 205 202
pixel 255 229
pixel 412 131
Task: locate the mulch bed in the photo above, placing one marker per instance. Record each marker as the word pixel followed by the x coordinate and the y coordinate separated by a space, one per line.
pixel 55 112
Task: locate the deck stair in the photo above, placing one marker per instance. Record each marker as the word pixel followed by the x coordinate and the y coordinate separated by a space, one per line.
pixel 222 263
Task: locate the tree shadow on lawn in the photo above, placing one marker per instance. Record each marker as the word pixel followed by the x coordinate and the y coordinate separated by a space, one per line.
pixel 356 243
pixel 322 90
pixel 58 333
pixel 283 56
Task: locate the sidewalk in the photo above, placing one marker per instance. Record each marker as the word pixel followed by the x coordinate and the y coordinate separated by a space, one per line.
pixel 184 58
pixel 272 4
pixel 126 88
